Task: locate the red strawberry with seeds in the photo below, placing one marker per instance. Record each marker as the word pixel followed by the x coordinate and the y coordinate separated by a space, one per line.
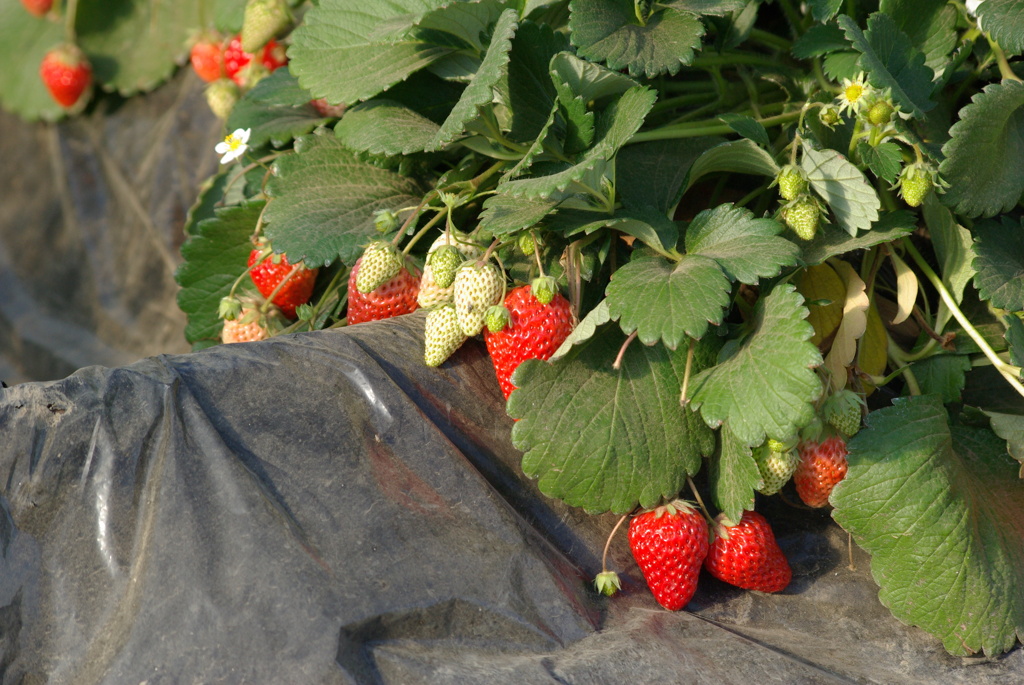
pixel 822 465
pixel 669 545
pixel 67 74
pixel 295 281
pixel 393 298
pixel 534 331
pixel 236 59
pixel 207 58
pixel 37 7
pixel 746 555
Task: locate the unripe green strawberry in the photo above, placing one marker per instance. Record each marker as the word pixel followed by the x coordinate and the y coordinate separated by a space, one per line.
pixel 915 183
pixel 802 215
pixel 444 263
pixel 381 263
pixel 843 411
pixel 792 182
pixel 431 293
pixel 880 113
pixel 544 289
pixel 263 20
pixel 221 96
pixel 385 221
pixel 441 335
pixel 477 287
pixel 497 318
pixel 776 464
pixel 526 244
pixel 830 116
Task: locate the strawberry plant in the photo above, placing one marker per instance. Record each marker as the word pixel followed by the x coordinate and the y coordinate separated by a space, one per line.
pixel 747 208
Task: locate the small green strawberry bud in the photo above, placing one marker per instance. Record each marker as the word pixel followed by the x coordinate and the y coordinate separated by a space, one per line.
pixel 544 288
pixel 497 318
pixel 830 116
pixel 607 583
pixel 229 308
pixel 792 182
pixel 526 244
pixel 444 263
pixel 385 221
pixel 802 215
pixel 380 263
pixel 880 113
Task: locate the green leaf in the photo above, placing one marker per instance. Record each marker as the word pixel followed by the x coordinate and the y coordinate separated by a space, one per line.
pixel 824 10
pixel 323 200
pixel 605 439
pixel 587 80
pixel 819 40
pixel 529 93
pixel 840 65
pixel 347 52
pixel 652 174
pixel 579 119
pixel 24 41
pixel 1004 20
pixel 767 388
pixel 953 246
pixel 747 248
pixel 385 127
pixel 941 511
pixel 1010 427
pixel 943 375
pixel 733 476
pixel 831 241
pixel 505 214
pixel 480 90
pixel 1015 339
pixel 135 45
pixel 277 110
pixel 1000 262
pixel 585 329
pixel 228 15
pixel 884 160
pixel 717 8
pixel 739 156
pixel 607 31
pixel 984 156
pixel 843 186
pixel 615 126
pixel 892 62
pixel 929 24
pixel 214 256
pixel 668 301
pixel 748 127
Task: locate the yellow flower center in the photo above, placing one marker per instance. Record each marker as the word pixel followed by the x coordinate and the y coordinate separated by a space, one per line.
pixel 853 92
pixel 233 142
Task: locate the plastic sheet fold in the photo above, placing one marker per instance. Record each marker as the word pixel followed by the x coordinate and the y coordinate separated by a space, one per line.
pixel 323 508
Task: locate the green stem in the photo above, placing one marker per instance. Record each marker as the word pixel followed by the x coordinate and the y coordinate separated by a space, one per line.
pixel 770 39
pixel 697 129
pixel 423 231
pixel 1004 66
pixel 1006 370
pixel 896 357
pixel 70 12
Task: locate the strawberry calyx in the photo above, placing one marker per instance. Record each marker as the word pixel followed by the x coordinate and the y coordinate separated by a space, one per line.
pixel 607 583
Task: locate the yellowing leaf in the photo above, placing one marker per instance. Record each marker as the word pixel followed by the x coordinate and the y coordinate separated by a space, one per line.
pixel 852 327
pixel 906 289
pixel 825 293
pixel 872 356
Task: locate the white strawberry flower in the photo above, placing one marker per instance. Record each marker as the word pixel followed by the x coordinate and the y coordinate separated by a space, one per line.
pixel 234 146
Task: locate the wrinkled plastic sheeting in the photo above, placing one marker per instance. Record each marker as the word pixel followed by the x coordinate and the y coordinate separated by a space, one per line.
pixel 323 508
pixel 91 216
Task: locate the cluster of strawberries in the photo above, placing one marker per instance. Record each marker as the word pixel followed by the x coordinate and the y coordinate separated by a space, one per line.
pixel 673 542
pixel 65 70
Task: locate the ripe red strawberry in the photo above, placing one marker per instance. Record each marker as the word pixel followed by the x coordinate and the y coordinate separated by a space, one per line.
pixel 37 7
pixel 535 331
pixel 669 545
pixel 394 298
pixel 236 59
pixel 746 555
pixel 67 74
pixel 207 58
pixel 326 109
pixel 268 275
pixel 822 465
